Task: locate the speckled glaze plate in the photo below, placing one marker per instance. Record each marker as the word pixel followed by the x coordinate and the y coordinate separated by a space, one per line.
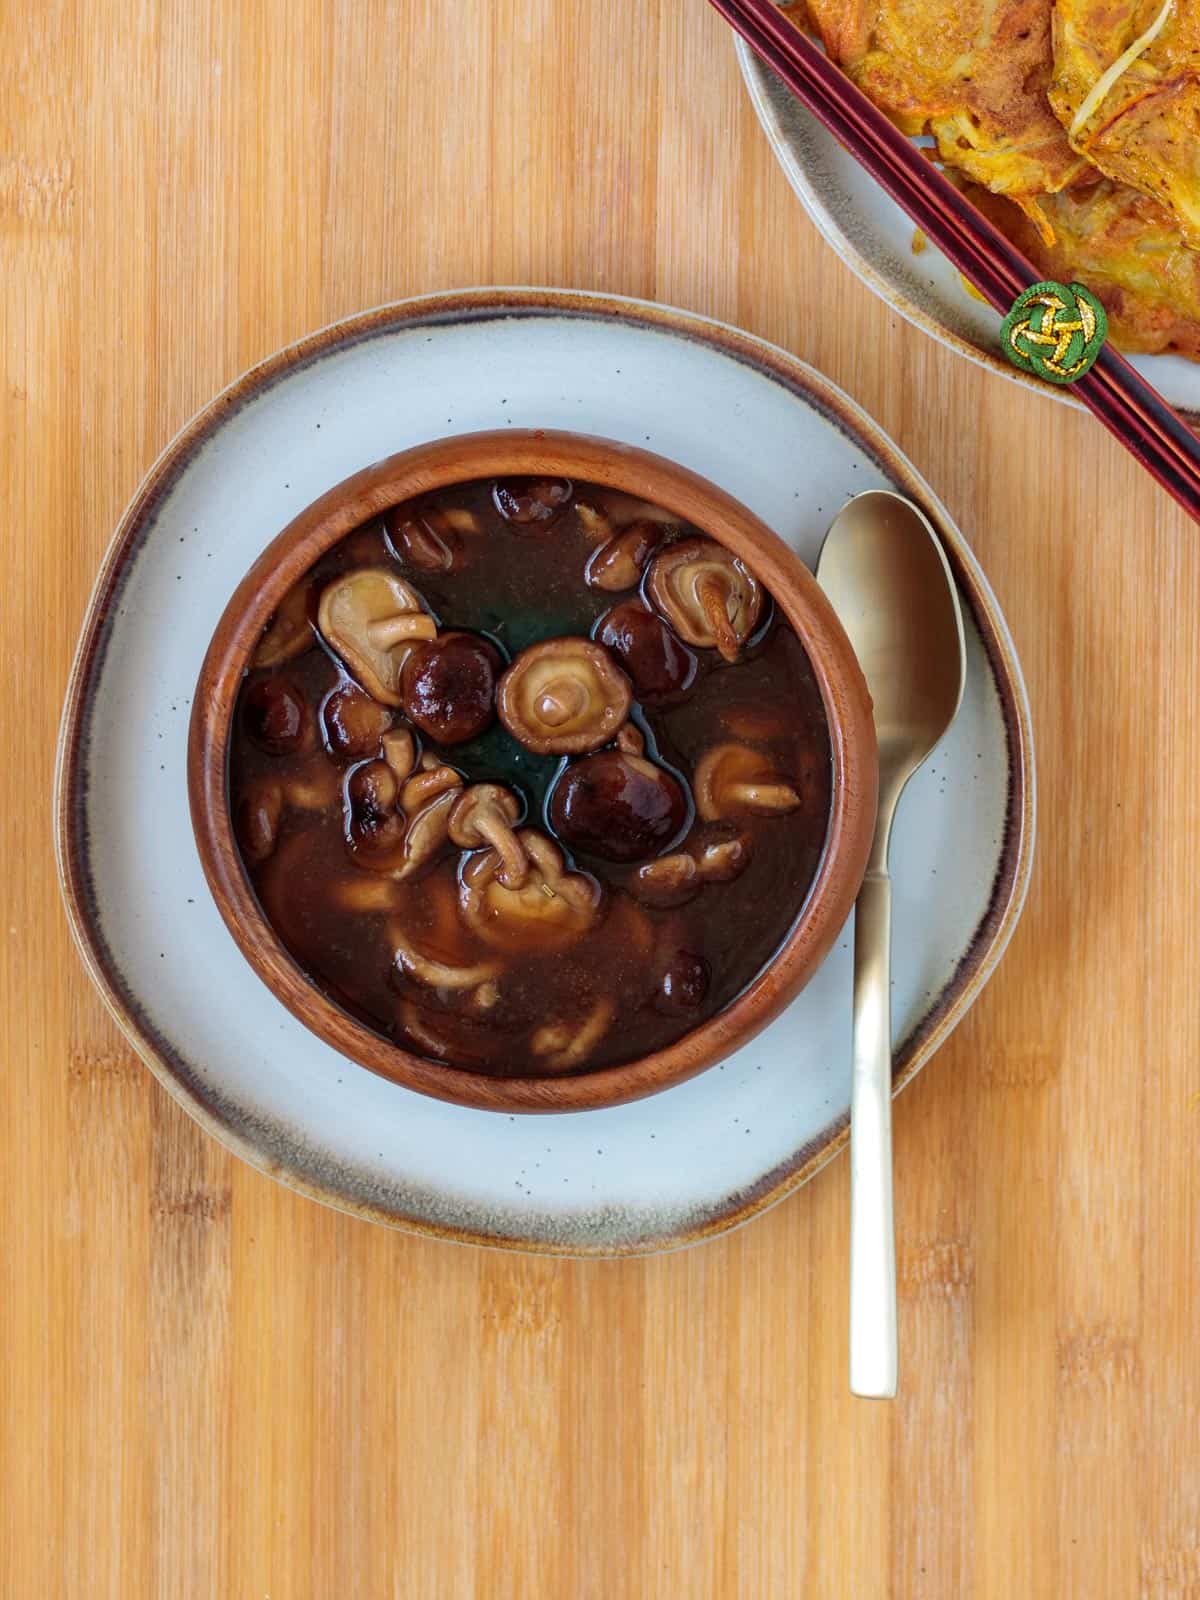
pixel 667 1171
pixel 874 238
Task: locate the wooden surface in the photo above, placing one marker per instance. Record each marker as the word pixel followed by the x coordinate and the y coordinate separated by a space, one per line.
pixel 210 1387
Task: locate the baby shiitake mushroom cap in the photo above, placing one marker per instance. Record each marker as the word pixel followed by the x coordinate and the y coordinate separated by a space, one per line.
pixel 659 665
pixel 485 814
pixel 448 686
pixel 552 908
pixel 353 722
pixel 733 780
pixel 396 827
pixel 372 619
pixel 670 881
pixel 256 819
pixel 721 856
pixel 619 563
pixel 426 537
pixel 277 717
pixel 564 697
pixel 706 594
pixel 617 805
pixel 532 503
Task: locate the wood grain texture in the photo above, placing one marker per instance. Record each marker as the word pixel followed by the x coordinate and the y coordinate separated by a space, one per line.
pixel 211 1387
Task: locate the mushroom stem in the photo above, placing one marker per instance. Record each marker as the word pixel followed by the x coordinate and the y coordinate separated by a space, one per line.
pixel 400 752
pixel 559 1050
pixel 594 523
pixel 514 863
pixel 765 797
pixel 560 701
pixel 405 625
pixel 630 741
pixel 713 597
pixel 427 785
pixel 439 974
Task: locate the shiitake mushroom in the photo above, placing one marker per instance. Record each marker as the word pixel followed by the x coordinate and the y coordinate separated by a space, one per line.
pixel 552 909
pixel 354 724
pixel 734 780
pixel 617 806
pixel 564 697
pixel 683 984
pixel 448 686
pixel 276 716
pixel 618 563
pixel 532 503
pixel 486 814
pixel 256 820
pixel 706 594
pixel 372 619
pixel 428 538
pixel 658 663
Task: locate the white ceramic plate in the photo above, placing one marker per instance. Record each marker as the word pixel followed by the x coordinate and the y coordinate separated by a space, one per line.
pixel 691 1161
pixel 874 238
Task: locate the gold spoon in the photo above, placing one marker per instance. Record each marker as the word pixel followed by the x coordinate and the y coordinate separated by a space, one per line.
pixel 884 570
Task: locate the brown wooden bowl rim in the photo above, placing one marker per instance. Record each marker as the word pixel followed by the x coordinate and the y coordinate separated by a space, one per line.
pixel 504 452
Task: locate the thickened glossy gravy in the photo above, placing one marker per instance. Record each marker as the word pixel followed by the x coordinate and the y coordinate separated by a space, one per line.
pixel 530 777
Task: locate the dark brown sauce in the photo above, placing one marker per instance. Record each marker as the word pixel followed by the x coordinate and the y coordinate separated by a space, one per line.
pixel 644 974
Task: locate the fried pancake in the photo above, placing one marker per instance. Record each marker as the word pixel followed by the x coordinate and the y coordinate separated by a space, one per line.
pixel 1123 246
pixel 973 73
pixel 1145 131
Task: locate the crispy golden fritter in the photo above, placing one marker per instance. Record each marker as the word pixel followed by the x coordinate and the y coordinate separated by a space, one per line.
pixel 973 73
pixel 1127 249
pixel 1146 129
pixel 977 75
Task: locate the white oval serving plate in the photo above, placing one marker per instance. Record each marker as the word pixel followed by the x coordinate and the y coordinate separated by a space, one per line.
pixel 665 1171
pixel 874 237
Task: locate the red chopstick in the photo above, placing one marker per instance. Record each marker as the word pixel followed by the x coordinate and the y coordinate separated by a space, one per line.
pixel 1125 403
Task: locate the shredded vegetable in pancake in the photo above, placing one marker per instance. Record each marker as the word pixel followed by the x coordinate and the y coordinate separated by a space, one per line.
pixel 1127 86
pixel 1113 203
pixel 973 73
pixel 1127 250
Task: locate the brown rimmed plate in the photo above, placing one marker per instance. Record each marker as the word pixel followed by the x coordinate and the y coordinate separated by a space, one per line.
pixel 695 1160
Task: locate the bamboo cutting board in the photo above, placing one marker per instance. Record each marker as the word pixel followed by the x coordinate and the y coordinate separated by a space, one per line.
pixel 214 1388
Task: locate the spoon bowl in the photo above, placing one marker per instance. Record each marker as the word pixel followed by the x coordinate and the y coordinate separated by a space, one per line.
pixel 883 567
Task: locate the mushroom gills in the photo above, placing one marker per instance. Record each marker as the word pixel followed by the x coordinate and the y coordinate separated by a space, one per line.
pixel 564 696
pixel 706 594
pixel 371 619
pixel 552 908
pixel 734 779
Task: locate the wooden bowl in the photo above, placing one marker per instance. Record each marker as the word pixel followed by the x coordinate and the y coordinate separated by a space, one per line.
pixel 507 453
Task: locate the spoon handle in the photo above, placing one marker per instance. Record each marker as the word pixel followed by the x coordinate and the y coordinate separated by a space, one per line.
pixel 872 1234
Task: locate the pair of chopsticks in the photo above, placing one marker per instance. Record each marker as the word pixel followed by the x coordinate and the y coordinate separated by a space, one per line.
pixel 1125 403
